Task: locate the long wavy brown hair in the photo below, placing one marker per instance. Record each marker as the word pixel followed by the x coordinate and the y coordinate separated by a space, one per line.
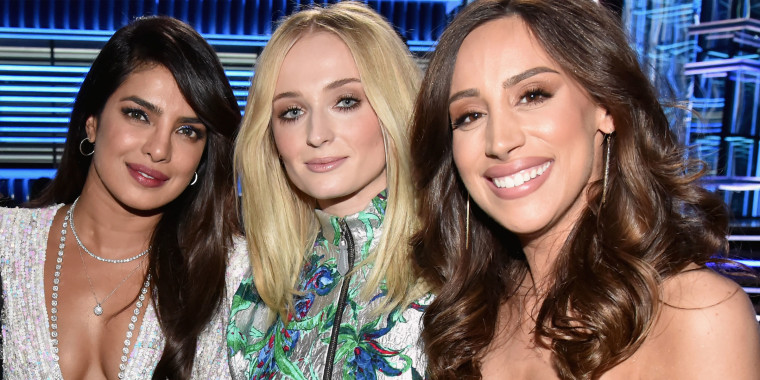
pixel 656 219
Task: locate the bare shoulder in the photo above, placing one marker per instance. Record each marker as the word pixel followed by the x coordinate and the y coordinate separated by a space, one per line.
pixel 699 288
pixel 706 329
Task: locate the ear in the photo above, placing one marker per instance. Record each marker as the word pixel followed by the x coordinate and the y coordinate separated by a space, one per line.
pixel 91 127
pixel 604 122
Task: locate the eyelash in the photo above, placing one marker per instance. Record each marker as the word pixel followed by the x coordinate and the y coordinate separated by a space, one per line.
pixel 538 94
pixel 135 114
pixel 531 97
pixel 349 98
pixel 460 121
pixel 140 116
pixel 195 133
pixel 283 115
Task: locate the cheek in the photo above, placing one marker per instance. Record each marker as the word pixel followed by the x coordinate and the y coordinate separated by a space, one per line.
pixel 287 150
pixel 367 137
pixel 284 142
pixel 464 153
pixel 192 156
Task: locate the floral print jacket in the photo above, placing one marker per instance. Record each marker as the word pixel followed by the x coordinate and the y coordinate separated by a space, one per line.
pixel 366 345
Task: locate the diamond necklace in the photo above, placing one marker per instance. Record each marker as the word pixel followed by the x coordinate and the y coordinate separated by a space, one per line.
pixel 98 309
pixel 103 259
pixel 54 304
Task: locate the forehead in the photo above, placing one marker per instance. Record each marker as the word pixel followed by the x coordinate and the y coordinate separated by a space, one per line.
pixel 317 56
pixel 149 78
pixel 505 46
pixel 154 84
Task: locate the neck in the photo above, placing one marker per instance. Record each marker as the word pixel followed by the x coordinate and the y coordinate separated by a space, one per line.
pixel 543 248
pixel 354 202
pixel 110 229
pixel 541 252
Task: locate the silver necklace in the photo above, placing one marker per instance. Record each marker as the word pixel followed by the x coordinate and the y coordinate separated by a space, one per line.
pixel 98 309
pixel 103 259
pixel 54 304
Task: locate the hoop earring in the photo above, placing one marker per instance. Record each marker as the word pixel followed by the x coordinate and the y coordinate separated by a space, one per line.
pixel 608 141
pixel 82 150
pixel 195 179
pixel 467 224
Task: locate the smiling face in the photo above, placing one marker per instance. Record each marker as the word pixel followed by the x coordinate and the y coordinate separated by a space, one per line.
pixel 326 132
pixel 148 141
pixel 527 139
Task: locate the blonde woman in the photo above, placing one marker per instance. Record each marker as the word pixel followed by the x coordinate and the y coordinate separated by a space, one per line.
pixel 327 204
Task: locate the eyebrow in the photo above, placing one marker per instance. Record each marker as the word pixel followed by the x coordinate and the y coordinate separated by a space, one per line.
pixel 190 120
pixel 469 93
pixel 510 82
pixel 330 86
pixel 287 94
pixel 150 106
pixel 341 82
pixel 157 110
pixel 515 79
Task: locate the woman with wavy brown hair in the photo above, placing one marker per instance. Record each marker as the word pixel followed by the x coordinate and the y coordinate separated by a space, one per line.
pixel 574 239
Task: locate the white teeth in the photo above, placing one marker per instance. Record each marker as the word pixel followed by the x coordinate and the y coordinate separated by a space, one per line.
pixel 521 177
pixel 146 176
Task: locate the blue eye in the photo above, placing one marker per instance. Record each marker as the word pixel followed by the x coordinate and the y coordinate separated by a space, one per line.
pixel 347 102
pixel 292 113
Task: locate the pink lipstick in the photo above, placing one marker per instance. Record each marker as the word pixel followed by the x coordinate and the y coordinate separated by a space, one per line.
pixel 324 164
pixel 146 176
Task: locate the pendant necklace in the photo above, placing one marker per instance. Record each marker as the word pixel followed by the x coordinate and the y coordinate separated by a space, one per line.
pixel 98 309
pixel 68 218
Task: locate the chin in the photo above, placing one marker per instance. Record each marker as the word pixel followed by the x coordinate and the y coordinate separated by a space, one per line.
pixel 146 203
pixel 518 226
pixel 329 194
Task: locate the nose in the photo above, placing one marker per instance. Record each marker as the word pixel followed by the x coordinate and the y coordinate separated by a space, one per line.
pixel 158 145
pixel 504 133
pixel 319 129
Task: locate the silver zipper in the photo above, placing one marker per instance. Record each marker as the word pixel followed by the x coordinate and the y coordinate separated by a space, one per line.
pixel 346 242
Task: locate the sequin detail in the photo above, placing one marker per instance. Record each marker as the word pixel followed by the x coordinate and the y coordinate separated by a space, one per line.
pixel 27 343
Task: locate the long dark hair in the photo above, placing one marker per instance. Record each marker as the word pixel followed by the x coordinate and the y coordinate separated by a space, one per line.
pixel 655 222
pixel 191 241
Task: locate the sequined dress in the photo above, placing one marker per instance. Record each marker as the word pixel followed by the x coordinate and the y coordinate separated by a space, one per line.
pixel 369 346
pixel 27 349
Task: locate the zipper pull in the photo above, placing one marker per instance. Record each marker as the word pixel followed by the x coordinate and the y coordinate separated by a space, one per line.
pixel 343 251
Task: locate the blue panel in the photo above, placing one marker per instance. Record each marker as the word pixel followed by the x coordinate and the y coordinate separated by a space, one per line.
pixel 26 173
pixel 35 100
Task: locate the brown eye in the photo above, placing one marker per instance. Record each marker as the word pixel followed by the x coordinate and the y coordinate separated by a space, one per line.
pixel 135 114
pixel 466 119
pixel 534 96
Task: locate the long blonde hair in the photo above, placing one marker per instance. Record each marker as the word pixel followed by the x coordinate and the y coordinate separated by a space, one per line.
pixel 279 219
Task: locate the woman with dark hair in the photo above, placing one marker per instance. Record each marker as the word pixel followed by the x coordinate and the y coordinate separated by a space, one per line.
pixel 562 230
pixel 120 271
